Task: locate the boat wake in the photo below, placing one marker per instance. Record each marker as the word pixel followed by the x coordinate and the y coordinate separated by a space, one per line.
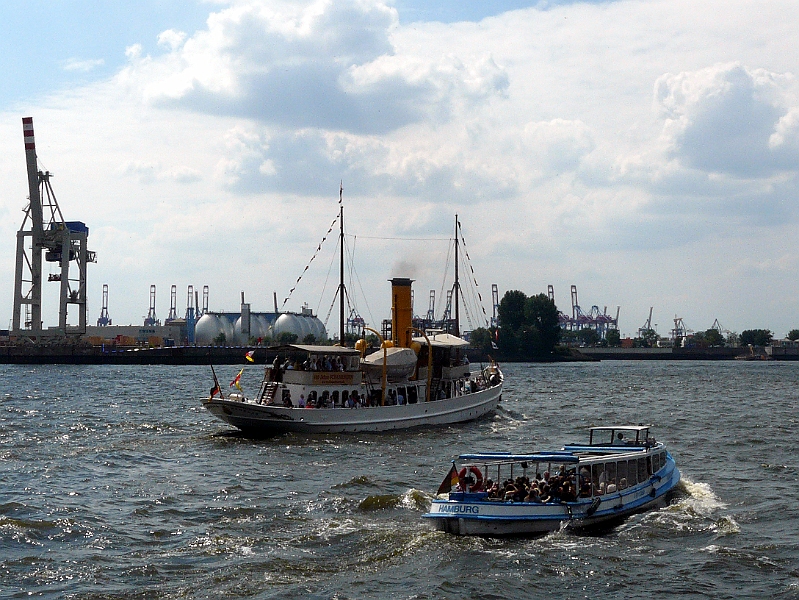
pixel 413 499
pixel 695 508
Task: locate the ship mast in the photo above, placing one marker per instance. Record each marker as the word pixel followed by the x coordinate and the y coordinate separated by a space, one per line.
pixel 341 267
pixel 457 288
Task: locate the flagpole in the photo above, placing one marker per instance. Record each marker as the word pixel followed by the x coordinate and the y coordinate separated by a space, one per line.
pixel 213 372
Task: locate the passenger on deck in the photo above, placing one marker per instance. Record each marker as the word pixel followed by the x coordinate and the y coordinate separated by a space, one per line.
pixel 533 495
pixel 301 403
pixel 545 493
pixel 611 486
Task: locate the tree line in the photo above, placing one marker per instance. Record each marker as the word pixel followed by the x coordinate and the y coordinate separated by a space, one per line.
pixel 527 328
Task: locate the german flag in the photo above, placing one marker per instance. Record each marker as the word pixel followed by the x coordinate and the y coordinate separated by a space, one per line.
pixel 450 481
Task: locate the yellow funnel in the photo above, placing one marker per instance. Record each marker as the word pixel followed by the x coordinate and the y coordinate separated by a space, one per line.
pixel 401 312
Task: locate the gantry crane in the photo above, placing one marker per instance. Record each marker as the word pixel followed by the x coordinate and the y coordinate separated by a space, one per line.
pixel 45 234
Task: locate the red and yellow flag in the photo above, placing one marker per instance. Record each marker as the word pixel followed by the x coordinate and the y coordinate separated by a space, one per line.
pixel 236 380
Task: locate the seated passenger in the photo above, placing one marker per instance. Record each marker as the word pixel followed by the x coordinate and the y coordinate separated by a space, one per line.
pixel 510 491
pixel 611 486
pixel 533 495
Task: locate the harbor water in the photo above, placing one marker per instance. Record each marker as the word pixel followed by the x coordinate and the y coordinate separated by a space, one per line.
pixel 116 483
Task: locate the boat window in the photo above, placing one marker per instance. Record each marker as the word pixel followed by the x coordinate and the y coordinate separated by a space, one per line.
pixel 597 472
pixel 655 463
pixel 610 471
pixel 402 395
pixel 632 472
pixel 642 475
pixel 334 398
pixel 621 472
pixel 413 396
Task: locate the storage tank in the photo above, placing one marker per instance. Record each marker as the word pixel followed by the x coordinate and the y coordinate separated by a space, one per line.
pixel 305 327
pixel 227 328
pixel 287 322
pixel 207 329
pixel 258 326
pixel 319 330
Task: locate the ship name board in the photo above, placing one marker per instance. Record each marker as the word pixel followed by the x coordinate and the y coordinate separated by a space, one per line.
pixel 458 508
pixel 332 378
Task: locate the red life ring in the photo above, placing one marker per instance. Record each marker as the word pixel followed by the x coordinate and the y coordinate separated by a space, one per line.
pixel 478 485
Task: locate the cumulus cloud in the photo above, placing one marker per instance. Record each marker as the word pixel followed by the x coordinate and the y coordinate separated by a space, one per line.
pixel 730 119
pixel 83 66
pixel 152 172
pixel 320 64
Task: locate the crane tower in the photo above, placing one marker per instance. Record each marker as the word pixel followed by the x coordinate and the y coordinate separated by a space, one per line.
pixel 45 234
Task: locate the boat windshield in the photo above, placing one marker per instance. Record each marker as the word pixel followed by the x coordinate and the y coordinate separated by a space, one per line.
pixel 622 435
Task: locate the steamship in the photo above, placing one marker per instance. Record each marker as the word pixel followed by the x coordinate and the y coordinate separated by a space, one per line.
pixel 417 378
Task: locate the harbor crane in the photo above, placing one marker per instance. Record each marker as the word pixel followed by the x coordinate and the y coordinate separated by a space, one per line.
pixel 45 234
pixel 104 319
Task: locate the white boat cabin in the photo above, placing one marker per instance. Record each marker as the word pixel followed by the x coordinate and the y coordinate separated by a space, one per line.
pixel 615 458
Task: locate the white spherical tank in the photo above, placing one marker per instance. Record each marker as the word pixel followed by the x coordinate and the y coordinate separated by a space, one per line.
pixel 318 329
pixel 305 326
pixel 287 323
pixel 227 329
pixel 207 330
pixel 258 326
pixel 239 337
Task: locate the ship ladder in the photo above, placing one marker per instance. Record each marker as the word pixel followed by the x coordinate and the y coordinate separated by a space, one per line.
pixel 267 393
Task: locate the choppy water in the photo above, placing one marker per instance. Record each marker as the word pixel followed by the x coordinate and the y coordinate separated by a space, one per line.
pixel 115 483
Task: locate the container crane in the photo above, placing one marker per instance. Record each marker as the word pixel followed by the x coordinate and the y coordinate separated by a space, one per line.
pixel 104 319
pixel 151 320
pixel 44 232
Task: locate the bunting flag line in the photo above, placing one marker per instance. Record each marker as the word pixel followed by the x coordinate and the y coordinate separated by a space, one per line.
pixel 474 277
pixel 318 249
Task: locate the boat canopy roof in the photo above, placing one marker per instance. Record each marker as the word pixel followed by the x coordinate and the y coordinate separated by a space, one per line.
pixel 539 457
pixel 620 427
pixel 330 350
pixel 443 340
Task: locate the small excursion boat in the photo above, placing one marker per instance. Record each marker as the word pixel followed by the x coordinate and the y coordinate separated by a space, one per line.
pixel 620 471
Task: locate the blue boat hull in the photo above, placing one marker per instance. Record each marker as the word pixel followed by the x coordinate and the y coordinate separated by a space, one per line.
pixel 474 514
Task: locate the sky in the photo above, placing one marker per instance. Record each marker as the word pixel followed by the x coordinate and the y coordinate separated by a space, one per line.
pixel 644 151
